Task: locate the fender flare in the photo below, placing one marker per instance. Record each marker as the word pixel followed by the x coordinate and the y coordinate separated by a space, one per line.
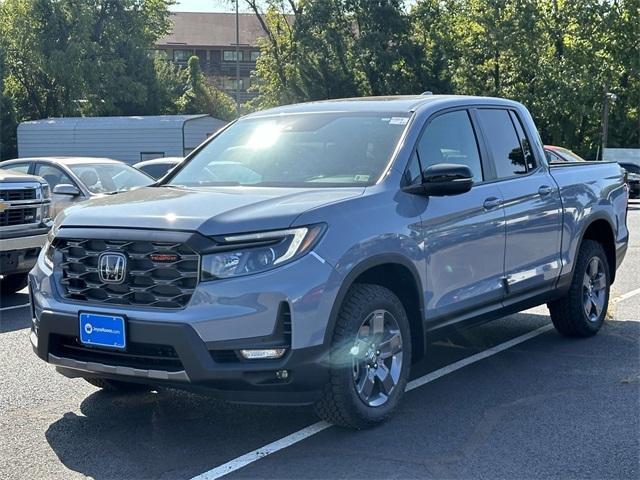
pixel 359 269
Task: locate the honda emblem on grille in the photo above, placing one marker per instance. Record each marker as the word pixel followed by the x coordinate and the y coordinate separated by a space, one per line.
pixel 112 267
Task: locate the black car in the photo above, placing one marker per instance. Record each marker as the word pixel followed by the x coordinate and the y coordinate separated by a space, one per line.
pixel 633 178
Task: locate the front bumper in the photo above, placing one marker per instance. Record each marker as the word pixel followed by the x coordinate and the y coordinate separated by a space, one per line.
pixel 18 254
pixel 202 370
pixel 221 318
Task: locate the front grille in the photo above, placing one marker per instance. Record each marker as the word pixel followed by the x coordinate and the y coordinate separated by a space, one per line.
pixel 146 356
pixel 18 194
pixel 167 281
pixel 18 216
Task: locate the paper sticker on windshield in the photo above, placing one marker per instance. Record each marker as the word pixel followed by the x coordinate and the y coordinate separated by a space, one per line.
pixel 361 178
pixel 398 120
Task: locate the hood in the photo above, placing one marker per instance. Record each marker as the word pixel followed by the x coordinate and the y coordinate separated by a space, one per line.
pixel 8 175
pixel 210 211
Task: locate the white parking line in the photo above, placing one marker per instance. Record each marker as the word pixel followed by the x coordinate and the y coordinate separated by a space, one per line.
pixel 625 296
pixel 247 458
pixel 14 307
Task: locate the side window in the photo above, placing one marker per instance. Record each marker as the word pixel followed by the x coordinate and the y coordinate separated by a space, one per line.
pixel 552 157
pixel 524 142
pixel 503 142
pixel 18 167
pixel 450 138
pixel 53 175
pixel 413 173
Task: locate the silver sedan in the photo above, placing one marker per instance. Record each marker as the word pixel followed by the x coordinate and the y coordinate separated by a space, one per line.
pixel 75 179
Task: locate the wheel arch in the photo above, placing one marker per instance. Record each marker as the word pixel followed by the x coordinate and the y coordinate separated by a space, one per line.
pixel 600 230
pixel 398 274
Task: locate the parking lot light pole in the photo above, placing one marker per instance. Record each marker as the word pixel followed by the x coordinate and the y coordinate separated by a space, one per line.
pixel 237 61
pixel 608 99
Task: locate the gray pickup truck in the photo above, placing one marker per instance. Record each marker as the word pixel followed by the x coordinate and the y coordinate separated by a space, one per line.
pixel 24 223
pixel 309 253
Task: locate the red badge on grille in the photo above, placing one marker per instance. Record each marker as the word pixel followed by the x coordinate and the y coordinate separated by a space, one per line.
pixel 164 257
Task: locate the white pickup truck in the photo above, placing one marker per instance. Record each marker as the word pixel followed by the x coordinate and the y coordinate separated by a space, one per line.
pixel 24 223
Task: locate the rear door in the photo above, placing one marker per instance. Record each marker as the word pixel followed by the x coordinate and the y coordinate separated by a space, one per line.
pixel 532 206
pixel 56 176
pixel 463 235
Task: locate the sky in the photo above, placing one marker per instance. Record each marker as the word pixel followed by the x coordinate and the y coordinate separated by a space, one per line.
pixel 206 6
pixel 218 6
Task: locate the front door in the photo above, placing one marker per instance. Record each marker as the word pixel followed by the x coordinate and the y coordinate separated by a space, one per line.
pixel 55 176
pixel 463 235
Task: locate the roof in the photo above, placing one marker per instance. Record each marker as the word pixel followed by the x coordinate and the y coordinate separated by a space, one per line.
pixel 159 161
pixel 149 121
pixel 64 160
pixel 397 104
pixel 212 29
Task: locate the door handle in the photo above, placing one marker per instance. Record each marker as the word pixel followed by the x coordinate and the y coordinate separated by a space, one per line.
pixel 545 190
pixel 491 203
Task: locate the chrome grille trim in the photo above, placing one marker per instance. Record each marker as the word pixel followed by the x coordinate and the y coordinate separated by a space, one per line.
pixel 147 283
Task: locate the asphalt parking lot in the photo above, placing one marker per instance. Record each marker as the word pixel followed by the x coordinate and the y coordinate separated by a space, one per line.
pixel 509 399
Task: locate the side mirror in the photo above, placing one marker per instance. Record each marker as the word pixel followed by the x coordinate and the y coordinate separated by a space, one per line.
pixel 445 179
pixel 66 189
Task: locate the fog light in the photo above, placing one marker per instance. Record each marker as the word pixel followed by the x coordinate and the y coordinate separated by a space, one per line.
pixel 263 354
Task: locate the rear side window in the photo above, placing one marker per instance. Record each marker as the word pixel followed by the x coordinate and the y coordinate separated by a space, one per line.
pixel 503 142
pixel 524 142
pixel 17 167
pixel 449 138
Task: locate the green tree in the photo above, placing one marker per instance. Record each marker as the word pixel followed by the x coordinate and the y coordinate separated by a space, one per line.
pixel 334 48
pixel 7 118
pixel 200 97
pixel 66 57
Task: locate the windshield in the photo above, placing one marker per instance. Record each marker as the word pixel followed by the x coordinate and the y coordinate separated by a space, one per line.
pixel 110 177
pixel 310 150
pixel 631 167
pixel 568 155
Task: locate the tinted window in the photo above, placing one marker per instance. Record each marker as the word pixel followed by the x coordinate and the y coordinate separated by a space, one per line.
pixel 17 167
pixel 53 175
pixel 449 138
pixel 524 142
pixel 503 142
pixel 110 177
pixel 630 167
pixel 156 170
pixel 413 174
pixel 552 157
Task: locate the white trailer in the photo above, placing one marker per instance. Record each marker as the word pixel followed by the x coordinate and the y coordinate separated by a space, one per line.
pixel 130 139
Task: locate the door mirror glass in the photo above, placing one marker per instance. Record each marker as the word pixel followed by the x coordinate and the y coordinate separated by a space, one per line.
pixel 66 189
pixel 447 179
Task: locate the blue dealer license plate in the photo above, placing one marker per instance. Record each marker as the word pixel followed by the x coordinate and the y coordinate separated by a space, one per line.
pixel 102 331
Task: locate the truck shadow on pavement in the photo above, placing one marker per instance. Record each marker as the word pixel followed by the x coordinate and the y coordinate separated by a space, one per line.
pixel 172 434
pixel 12 319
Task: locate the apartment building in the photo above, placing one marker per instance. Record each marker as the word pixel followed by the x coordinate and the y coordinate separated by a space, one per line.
pixel 212 37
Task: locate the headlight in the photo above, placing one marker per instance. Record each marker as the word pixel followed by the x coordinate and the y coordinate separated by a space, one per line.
pixel 257 252
pixel 48 249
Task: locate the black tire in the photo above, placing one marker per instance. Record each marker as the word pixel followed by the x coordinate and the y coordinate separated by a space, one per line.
pixel 13 283
pixel 117 385
pixel 341 403
pixel 569 314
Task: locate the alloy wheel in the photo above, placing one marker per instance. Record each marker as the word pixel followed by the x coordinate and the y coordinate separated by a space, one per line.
pixel 594 289
pixel 377 358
